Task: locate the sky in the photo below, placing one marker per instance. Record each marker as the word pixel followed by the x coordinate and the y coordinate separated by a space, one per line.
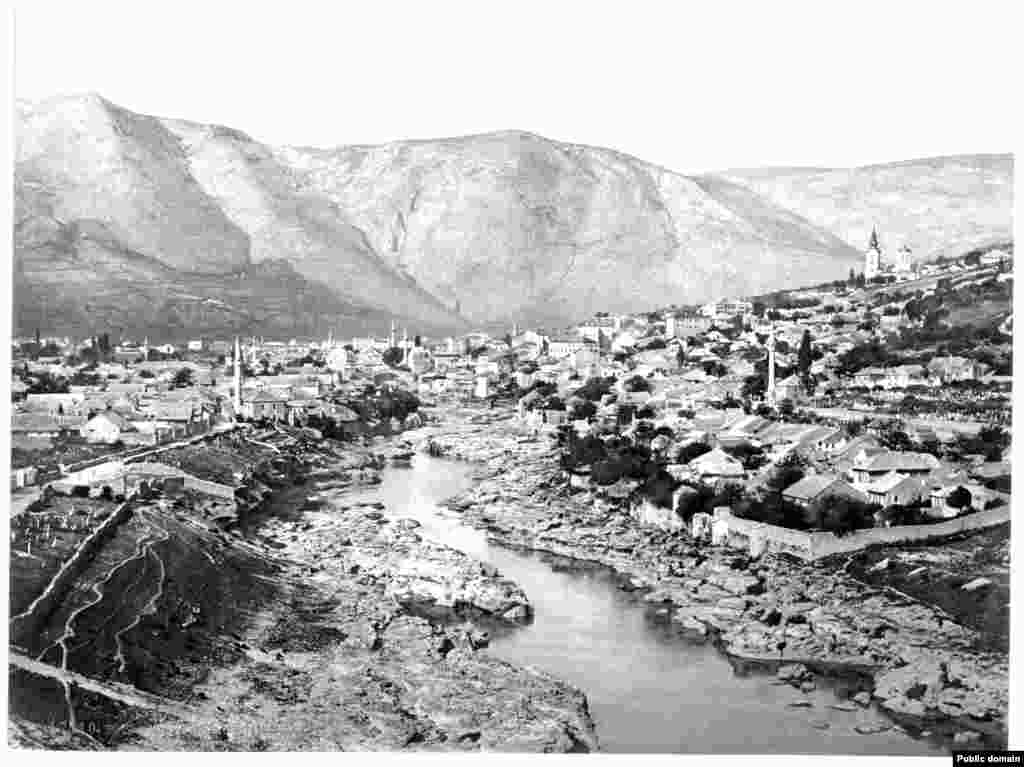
pixel 694 87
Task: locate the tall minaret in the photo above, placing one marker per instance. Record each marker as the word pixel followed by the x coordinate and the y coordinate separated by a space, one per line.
pixel 238 378
pixel 770 391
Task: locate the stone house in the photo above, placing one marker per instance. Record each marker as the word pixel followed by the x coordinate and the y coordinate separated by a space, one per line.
pixel 895 489
pixel 809 492
pixel 105 428
pixel 868 468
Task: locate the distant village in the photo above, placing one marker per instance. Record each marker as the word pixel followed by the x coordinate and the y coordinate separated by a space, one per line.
pixel 886 389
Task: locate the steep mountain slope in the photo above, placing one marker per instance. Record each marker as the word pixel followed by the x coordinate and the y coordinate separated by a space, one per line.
pixel 936 206
pixel 127 221
pixel 97 161
pixel 513 225
pixel 79 279
pixel 117 211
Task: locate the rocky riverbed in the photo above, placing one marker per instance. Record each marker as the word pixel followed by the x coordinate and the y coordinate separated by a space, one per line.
pixel 919 664
pixel 336 653
pixel 348 664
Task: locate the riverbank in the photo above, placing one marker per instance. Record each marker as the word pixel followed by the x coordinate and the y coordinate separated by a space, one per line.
pixel 920 665
pixel 297 632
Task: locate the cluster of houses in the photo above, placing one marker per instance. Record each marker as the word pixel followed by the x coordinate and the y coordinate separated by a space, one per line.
pixel 837 464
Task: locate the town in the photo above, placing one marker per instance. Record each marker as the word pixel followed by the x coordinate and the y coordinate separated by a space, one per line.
pixel 877 390
pixel 803 424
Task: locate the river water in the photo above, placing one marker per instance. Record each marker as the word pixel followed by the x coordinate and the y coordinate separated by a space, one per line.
pixel 649 690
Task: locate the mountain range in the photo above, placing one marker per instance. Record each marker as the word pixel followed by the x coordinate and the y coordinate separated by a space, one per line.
pixel 142 224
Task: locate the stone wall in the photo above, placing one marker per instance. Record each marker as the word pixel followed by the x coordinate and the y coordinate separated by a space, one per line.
pixel 27 623
pixel 757 537
pixel 149 470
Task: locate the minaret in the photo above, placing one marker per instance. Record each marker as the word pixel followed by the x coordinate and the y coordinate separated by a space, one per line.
pixel 770 391
pixel 238 378
pixel 391 336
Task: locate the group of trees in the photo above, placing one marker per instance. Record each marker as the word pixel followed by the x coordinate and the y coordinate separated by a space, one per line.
pixel 382 403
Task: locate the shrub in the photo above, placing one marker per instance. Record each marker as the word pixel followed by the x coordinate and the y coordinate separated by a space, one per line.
pixel 583 409
pixel 840 515
pixel 687 453
pixel 658 489
pixel 595 388
pixel 637 384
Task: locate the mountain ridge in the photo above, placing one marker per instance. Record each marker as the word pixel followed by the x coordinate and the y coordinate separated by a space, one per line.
pixel 483 229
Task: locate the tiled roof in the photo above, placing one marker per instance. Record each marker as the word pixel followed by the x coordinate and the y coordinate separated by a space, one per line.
pixel 810 487
pixel 895 461
pixel 889 482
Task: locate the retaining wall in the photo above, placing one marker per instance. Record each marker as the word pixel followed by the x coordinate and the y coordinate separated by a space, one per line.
pixel 758 537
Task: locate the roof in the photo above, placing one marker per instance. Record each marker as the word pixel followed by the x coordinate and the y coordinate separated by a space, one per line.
pixel 810 487
pixel 897 461
pixel 170 411
pixel 114 418
pixel 889 482
pixel 263 396
pixel 717 461
pixel 816 434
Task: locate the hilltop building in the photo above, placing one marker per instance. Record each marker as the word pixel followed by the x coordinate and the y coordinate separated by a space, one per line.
pixel 873 256
pixel 876 263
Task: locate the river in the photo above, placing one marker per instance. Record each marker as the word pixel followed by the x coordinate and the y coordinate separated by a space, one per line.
pixel 649 690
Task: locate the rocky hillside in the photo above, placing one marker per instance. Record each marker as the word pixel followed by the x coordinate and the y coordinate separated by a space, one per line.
pixel 937 206
pixel 118 213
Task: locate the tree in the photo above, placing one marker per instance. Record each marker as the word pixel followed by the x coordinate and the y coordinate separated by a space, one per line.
pixel 960 498
pixel 688 452
pixel 637 384
pixel 840 515
pixel 804 358
pixel 786 408
pixel 893 436
pixel 788 471
pixel 754 386
pixel 182 378
pixel 46 383
pixel 393 356
pixel 854 428
pixel 750 456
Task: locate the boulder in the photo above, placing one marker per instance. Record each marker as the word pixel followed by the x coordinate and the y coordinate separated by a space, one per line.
pixel 965 737
pixel 794 673
pixel 977 583
pixel 872 728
